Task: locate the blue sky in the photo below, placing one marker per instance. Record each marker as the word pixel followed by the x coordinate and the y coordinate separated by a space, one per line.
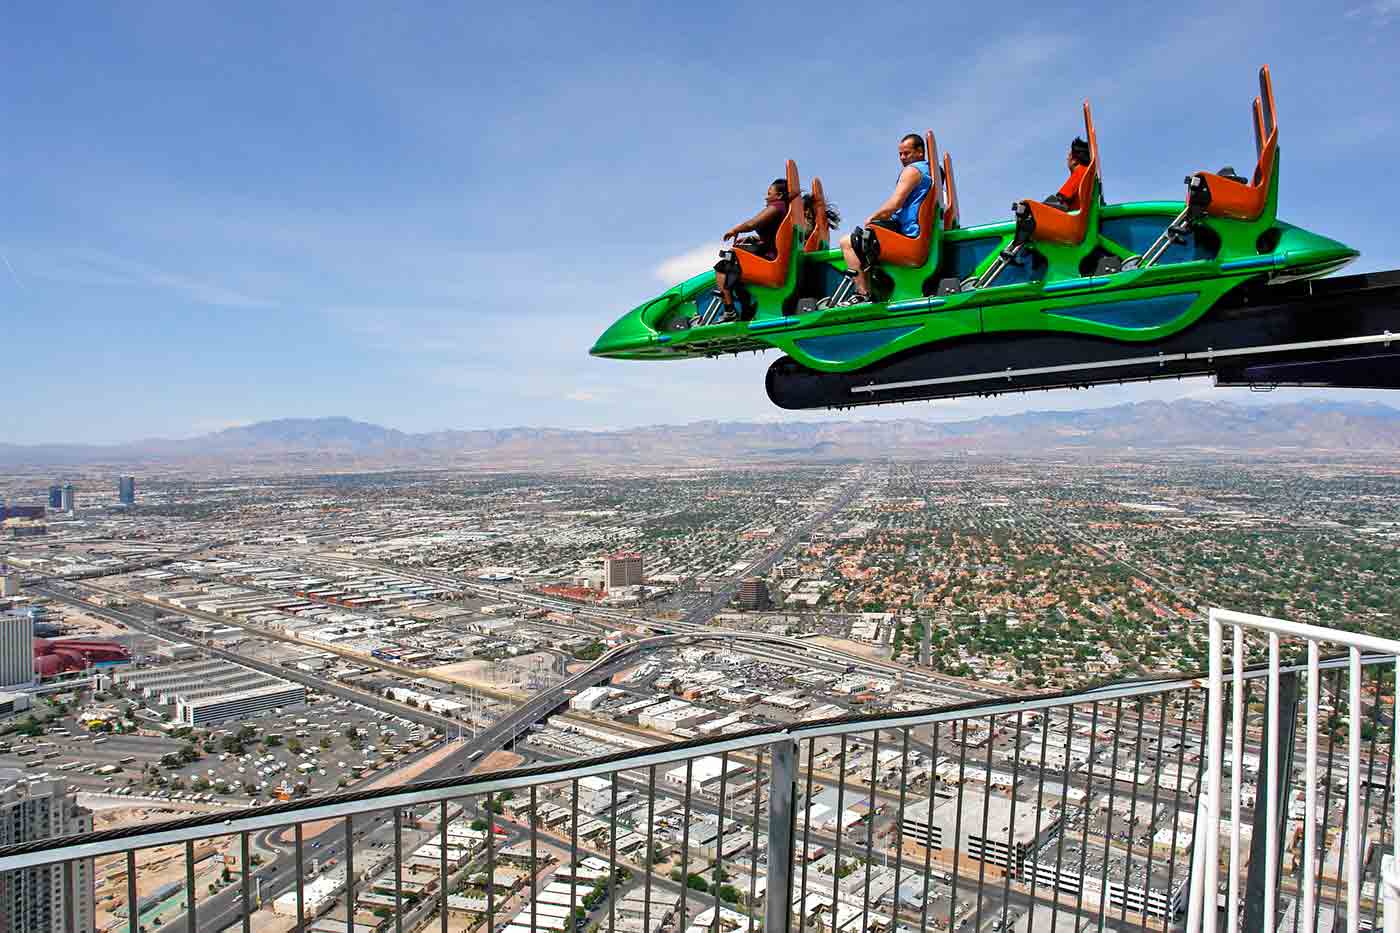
pixel 422 214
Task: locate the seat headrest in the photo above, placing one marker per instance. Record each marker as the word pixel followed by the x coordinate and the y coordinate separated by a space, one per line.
pixel 821 228
pixel 1258 114
pixel 1093 137
pixel 950 194
pixel 793 182
pixel 1266 96
pixel 931 156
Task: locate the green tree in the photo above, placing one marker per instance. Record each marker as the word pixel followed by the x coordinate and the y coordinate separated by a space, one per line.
pixel 29 726
pixel 591 651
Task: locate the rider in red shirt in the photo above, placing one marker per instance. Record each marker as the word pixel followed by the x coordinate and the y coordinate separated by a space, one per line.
pixel 1077 161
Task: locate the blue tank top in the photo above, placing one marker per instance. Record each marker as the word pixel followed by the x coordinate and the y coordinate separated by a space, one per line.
pixel 906 219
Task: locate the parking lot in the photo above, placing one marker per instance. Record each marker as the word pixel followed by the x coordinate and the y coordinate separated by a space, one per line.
pixel 314 750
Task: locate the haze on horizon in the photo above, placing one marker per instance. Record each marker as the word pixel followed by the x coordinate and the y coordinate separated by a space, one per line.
pixel 226 215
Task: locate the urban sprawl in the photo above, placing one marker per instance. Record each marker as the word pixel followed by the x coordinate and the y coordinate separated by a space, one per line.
pixel 173 645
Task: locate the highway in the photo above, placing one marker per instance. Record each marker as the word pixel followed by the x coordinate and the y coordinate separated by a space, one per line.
pixel 701 615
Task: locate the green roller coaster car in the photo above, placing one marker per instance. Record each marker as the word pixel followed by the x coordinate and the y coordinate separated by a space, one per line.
pixel 1135 272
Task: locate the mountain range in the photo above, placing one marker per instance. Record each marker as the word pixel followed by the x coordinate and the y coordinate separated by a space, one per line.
pixel 338 442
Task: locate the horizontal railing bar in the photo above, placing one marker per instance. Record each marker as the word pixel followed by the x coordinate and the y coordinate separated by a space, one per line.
pixel 1359 640
pixel 338 806
pixel 978 708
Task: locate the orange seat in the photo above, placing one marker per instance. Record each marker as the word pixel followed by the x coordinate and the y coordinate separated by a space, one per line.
pixel 896 249
pixel 1235 200
pixel 950 195
pixel 1053 225
pixel 773 273
pixel 820 237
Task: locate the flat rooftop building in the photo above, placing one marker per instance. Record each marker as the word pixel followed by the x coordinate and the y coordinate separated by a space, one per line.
pixel 213 691
pixel 1005 844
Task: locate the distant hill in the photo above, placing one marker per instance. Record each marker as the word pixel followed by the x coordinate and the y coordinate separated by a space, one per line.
pixel 1316 426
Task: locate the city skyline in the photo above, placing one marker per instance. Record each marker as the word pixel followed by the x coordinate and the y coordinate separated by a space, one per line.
pixel 344 216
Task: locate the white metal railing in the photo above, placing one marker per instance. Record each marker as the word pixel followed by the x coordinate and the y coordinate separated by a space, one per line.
pixel 1203 911
pixel 1062 787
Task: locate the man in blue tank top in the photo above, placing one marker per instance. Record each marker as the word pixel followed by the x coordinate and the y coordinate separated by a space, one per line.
pixel 900 212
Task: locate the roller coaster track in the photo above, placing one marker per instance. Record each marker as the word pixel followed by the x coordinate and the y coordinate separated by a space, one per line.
pixel 1331 333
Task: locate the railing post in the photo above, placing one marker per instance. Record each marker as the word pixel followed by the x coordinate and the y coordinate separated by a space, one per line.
pixel 782 827
pixel 1256 895
pixel 1205 850
pixel 1390 879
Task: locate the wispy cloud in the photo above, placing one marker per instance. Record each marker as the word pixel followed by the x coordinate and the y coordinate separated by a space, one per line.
pixel 1379 11
pixel 13 276
pixel 201 426
pixel 591 394
pixel 101 269
pixel 691 262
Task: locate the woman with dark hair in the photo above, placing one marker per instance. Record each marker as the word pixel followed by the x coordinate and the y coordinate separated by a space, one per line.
pixel 764 225
pixel 833 214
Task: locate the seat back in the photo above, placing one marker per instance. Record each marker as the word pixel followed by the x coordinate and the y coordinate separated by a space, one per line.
pixel 787 232
pixel 1265 129
pixel 1079 227
pixel 950 195
pixel 820 236
pixel 1232 199
pixel 1091 177
pixel 931 199
pixel 1266 95
pixel 1259 128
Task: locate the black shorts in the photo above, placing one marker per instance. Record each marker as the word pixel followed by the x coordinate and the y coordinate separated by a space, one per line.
pixel 887 224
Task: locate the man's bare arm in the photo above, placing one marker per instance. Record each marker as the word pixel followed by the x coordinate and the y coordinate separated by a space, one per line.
pixel 908 181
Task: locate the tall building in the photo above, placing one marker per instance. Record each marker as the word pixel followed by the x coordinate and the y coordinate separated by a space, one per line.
pixel 16 650
pixel 66 503
pixel 622 569
pixel 32 899
pixel 126 489
pixel 753 593
pixel 55 496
